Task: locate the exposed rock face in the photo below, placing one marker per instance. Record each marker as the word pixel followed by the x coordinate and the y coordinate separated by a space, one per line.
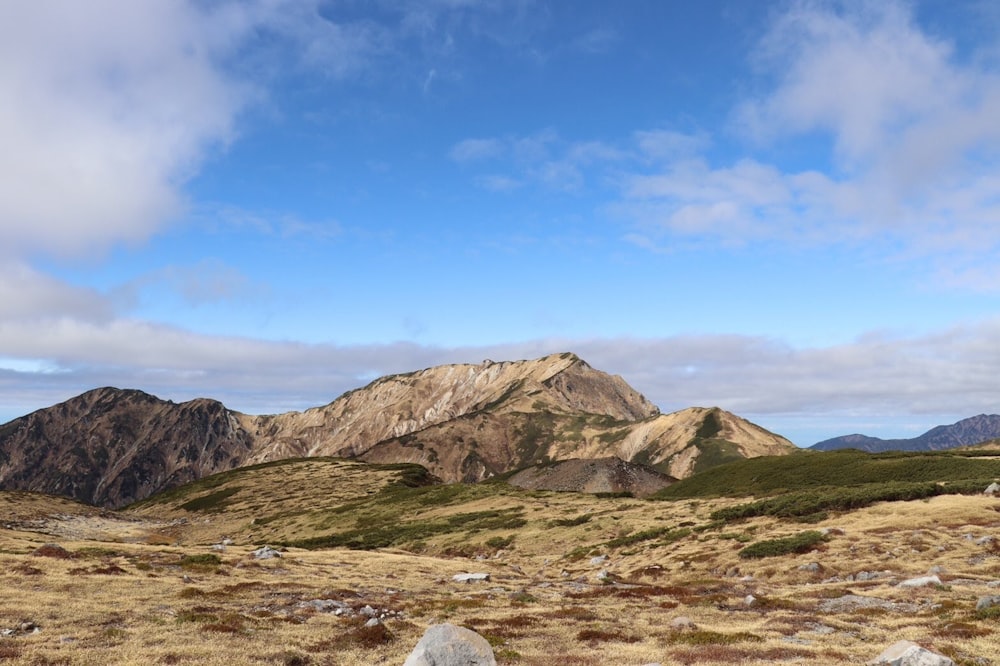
pixel 462 422
pixel 112 447
pixel 398 405
pixel 593 475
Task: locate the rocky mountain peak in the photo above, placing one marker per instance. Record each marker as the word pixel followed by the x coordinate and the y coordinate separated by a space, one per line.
pixel 463 422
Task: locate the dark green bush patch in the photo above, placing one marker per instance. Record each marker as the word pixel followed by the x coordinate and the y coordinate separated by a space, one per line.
pixel 803 542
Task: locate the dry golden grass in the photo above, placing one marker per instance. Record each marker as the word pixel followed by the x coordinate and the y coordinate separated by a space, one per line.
pixel 133 597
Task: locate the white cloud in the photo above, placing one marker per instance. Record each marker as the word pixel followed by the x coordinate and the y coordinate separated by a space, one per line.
pixel 27 295
pixel 109 107
pixel 913 148
pixel 471 150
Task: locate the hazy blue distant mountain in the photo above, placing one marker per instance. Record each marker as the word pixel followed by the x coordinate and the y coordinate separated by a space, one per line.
pixel 964 433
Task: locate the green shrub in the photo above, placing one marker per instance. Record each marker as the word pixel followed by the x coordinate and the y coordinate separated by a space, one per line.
pixel 803 542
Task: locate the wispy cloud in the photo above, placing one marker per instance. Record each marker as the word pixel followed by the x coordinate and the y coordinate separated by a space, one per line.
pixel 473 150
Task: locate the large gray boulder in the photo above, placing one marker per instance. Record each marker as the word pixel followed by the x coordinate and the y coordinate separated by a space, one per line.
pixel 908 653
pixel 448 645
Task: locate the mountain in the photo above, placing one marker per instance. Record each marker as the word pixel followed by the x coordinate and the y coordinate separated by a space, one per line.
pixel 966 432
pixel 111 447
pixel 462 422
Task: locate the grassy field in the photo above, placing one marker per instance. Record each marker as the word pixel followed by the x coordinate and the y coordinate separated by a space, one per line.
pixel 146 586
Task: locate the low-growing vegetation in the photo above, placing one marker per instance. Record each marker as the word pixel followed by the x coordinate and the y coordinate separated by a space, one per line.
pixel 803 542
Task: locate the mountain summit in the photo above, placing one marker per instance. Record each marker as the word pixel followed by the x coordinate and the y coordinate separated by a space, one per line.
pixel 462 422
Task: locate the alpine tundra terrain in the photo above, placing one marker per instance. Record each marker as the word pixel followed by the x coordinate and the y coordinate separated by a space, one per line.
pixel 813 558
pixel 110 447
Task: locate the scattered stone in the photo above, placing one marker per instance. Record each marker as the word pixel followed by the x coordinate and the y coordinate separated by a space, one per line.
pixel 218 547
pixel 796 640
pixel 368 611
pixel 598 561
pixel 921 581
pixel 324 605
pixel 471 577
pixel 448 645
pixel 603 576
pixel 908 653
pixel 265 553
pixel 226 541
pixel 812 567
pixel 987 602
pixel 373 622
pixel 749 601
pixel 23 629
pixel 683 623
pixel 992 489
pixel 832 531
pixel 817 628
pixel 852 602
pixel 984 540
pixel 937 569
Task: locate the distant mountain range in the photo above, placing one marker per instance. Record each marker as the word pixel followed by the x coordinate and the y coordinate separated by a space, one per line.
pixel 467 422
pixel 967 432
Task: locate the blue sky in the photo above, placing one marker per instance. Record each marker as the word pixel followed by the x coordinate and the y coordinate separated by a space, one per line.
pixel 786 209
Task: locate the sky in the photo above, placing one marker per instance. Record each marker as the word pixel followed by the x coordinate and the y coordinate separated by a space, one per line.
pixel 790 210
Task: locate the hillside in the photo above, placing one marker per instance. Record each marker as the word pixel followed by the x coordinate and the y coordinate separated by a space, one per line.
pixel 368 557
pixel 592 475
pixel 462 422
pixel 110 447
pixel 967 432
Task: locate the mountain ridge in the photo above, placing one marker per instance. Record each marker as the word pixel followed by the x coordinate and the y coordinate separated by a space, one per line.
pixel 463 422
pixel 966 432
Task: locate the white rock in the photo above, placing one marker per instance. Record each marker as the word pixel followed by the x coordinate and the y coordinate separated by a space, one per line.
pixel 922 581
pixel 908 653
pixel 683 623
pixel 471 577
pixel 265 553
pixel 598 561
pixel 992 489
pixel 448 645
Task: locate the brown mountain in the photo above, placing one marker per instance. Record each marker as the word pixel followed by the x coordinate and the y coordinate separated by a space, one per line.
pixel 112 447
pixel 462 422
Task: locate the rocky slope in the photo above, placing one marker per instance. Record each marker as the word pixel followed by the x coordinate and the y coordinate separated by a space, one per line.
pixel 592 475
pixel 462 422
pixel 967 432
pixel 111 447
